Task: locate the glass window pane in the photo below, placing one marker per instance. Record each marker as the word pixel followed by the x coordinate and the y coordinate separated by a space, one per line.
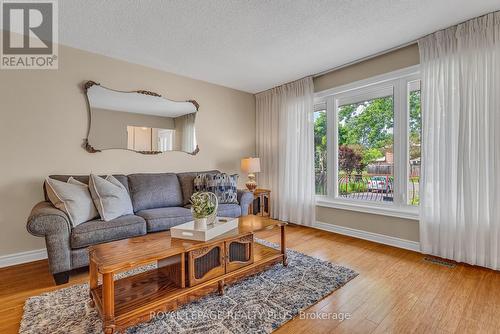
pixel 414 140
pixel 320 151
pixel 365 150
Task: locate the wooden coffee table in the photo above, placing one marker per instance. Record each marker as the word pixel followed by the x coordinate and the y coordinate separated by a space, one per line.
pixel 186 270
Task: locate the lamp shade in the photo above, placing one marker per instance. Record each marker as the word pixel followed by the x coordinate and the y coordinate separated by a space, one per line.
pixel 250 165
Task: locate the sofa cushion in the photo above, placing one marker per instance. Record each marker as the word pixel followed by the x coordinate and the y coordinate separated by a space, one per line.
pixel 98 231
pixel 229 210
pixel 187 184
pixel 161 219
pixel 150 191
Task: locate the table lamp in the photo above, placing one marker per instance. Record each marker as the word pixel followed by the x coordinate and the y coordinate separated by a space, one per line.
pixel 250 166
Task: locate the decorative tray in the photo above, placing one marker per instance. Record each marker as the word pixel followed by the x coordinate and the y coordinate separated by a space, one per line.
pixel 188 231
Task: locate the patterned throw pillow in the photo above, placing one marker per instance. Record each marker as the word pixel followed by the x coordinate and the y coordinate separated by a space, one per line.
pixel 221 184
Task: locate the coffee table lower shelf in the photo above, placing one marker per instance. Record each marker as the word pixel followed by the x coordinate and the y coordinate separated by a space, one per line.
pixel 138 297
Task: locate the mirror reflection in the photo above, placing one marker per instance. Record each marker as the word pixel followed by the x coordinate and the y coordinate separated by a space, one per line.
pixel 140 121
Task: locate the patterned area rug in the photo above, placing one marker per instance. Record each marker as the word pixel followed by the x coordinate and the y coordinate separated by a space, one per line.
pixel 257 304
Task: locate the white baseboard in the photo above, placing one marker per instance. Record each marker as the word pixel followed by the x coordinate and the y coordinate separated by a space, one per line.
pixel 370 236
pixel 22 257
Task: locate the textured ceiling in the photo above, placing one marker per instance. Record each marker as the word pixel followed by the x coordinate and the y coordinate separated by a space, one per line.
pixel 253 45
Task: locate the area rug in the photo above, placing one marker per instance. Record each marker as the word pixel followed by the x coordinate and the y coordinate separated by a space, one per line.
pixel 257 304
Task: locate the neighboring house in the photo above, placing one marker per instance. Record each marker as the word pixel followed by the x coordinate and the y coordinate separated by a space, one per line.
pixel 383 165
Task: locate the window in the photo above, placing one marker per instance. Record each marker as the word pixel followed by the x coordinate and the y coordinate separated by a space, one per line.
pixel 320 162
pixel 414 136
pixel 366 149
pixel 367 143
pixel 165 140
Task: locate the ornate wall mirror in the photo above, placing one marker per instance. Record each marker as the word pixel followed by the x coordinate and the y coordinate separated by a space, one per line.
pixel 139 121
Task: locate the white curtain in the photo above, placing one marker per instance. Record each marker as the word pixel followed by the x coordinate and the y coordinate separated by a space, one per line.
pixel 185 124
pixel 460 203
pixel 285 146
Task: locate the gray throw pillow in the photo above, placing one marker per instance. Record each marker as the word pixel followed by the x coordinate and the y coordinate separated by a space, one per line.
pixel 72 197
pixel 111 198
pixel 221 184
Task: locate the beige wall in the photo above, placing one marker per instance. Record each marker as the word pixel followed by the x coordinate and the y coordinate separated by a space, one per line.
pixel 43 121
pixel 395 227
pixel 392 61
pixel 391 226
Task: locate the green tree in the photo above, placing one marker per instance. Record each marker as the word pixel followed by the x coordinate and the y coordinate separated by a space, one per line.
pixel 320 141
pixel 367 123
pixel 320 154
pixel 371 154
pixel 367 128
pixel 415 124
pixel 415 114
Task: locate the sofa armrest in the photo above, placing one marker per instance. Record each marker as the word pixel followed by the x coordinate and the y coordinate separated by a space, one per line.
pixel 47 221
pixel 245 197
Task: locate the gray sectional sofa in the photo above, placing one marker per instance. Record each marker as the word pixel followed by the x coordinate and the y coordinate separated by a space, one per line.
pixel 160 201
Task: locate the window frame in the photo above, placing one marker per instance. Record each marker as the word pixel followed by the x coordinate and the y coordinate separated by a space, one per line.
pixel 361 90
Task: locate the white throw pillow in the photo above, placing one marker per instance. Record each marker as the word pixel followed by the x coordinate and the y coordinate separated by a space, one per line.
pixel 110 197
pixel 72 197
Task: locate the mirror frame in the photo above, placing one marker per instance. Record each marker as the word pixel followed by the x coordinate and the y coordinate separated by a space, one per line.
pixel 90 149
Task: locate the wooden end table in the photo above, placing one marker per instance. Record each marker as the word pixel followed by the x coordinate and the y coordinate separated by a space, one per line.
pixel 185 270
pixel 263 195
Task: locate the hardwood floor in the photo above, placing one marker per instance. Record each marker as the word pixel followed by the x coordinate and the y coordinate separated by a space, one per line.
pixel 396 290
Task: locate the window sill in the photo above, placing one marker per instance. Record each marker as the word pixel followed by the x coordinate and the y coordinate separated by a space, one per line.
pixel 408 212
